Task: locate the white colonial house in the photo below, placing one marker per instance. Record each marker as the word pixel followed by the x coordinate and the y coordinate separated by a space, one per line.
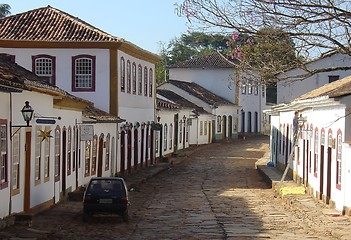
pixel 191 119
pixel 220 76
pixel 224 112
pixel 295 82
pixel 114 74
pixel 324 142
pixel 45 157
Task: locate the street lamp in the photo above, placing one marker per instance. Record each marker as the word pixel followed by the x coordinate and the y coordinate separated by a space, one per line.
pixel 27 113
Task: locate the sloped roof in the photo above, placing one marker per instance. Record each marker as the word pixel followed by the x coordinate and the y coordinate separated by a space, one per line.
pixel 335 89
pixel 99 115
pixel 212 60
pixel 166 104
pixel 200 92
pixel 50 24
pixel 172 96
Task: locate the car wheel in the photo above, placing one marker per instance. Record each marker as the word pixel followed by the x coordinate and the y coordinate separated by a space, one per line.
pixel 125 216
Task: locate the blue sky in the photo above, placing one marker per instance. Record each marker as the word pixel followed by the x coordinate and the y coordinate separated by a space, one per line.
pixel 145 23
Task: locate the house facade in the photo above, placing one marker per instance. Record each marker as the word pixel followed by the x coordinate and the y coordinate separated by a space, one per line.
pixel 217 74
pixel 297 81
pixel 320 161
pixel 223 122
pixel 114 74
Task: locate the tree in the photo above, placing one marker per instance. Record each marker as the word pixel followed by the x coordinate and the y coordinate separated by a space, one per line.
pixel 4 10
pixel 186 47
pixel 315 26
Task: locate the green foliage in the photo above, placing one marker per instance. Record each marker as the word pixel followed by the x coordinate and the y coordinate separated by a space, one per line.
pixel 268 52
pixel 4 10
pixel 189 46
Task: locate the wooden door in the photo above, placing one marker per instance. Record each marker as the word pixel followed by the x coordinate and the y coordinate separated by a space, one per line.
pixel 100 157
pixel 28 147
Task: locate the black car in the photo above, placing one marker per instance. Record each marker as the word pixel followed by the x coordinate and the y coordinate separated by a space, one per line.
pixel 107 195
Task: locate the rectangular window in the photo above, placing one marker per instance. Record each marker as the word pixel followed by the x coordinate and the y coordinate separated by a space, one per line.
pixel 243 88
pixel 338 163
pixel 16 163
pixel 333 78
pixel 107 158
pixel 44 66
pixel 69 151
pixel 57 154
pixel 94 157
pixel 201 127
pixel 37 155
pixel 140 80
pixel 145 81
pixel 249 91
pixel 256 89
pixel 123 75
pixel 87 158
pixel 205 128
pixel 3 154
pixel 151 81
pixel 134 78
pixel 47 160
pixel 83 73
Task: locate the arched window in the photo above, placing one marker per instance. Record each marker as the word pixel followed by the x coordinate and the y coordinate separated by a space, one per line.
pixel 129 76
pixel 165 132
pixel 151 81
pixel 140 80
pixel 123 75
pixel 145 81
pixel 134 77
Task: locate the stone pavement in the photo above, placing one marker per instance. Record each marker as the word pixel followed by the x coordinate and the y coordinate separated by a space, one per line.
pixel 304 204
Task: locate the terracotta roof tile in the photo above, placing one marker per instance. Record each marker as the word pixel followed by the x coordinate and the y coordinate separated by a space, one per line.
pixel 200 92
pixel 212 60
pixel 338 88
pixel 99 115
pixel 172 96
pixel 51 24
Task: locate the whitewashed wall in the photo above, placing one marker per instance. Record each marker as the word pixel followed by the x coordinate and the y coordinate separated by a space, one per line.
pixel 291 88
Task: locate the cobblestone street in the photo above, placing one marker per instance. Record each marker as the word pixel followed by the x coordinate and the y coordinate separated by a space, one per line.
pixel 216 193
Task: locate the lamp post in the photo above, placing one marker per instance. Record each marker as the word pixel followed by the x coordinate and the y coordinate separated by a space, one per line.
pixel 27 113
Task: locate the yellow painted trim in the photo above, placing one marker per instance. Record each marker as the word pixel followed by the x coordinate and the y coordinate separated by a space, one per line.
pixel 114 81
pixel 70 104
pixel 139 53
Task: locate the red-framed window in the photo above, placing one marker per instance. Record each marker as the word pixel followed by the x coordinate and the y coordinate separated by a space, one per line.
pixel 151 82
pixel 145 81
pixel 129 76
pixel 83 73
pixel 3 154
pixel 45 66
pixel 107 156
pixel 338 159
pixel 123 75
pixel 94 155
pixel 57 153
pixel 69 151
pixel 316 153
pixel 87 154
pixel 140 80
pixel 134 78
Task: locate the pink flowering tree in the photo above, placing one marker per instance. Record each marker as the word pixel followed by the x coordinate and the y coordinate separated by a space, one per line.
pixel 314 26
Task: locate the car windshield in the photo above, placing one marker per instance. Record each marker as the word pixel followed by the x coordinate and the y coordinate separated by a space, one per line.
pixel 106 186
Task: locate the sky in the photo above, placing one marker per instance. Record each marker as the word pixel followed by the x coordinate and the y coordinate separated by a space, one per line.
pixel 146 23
